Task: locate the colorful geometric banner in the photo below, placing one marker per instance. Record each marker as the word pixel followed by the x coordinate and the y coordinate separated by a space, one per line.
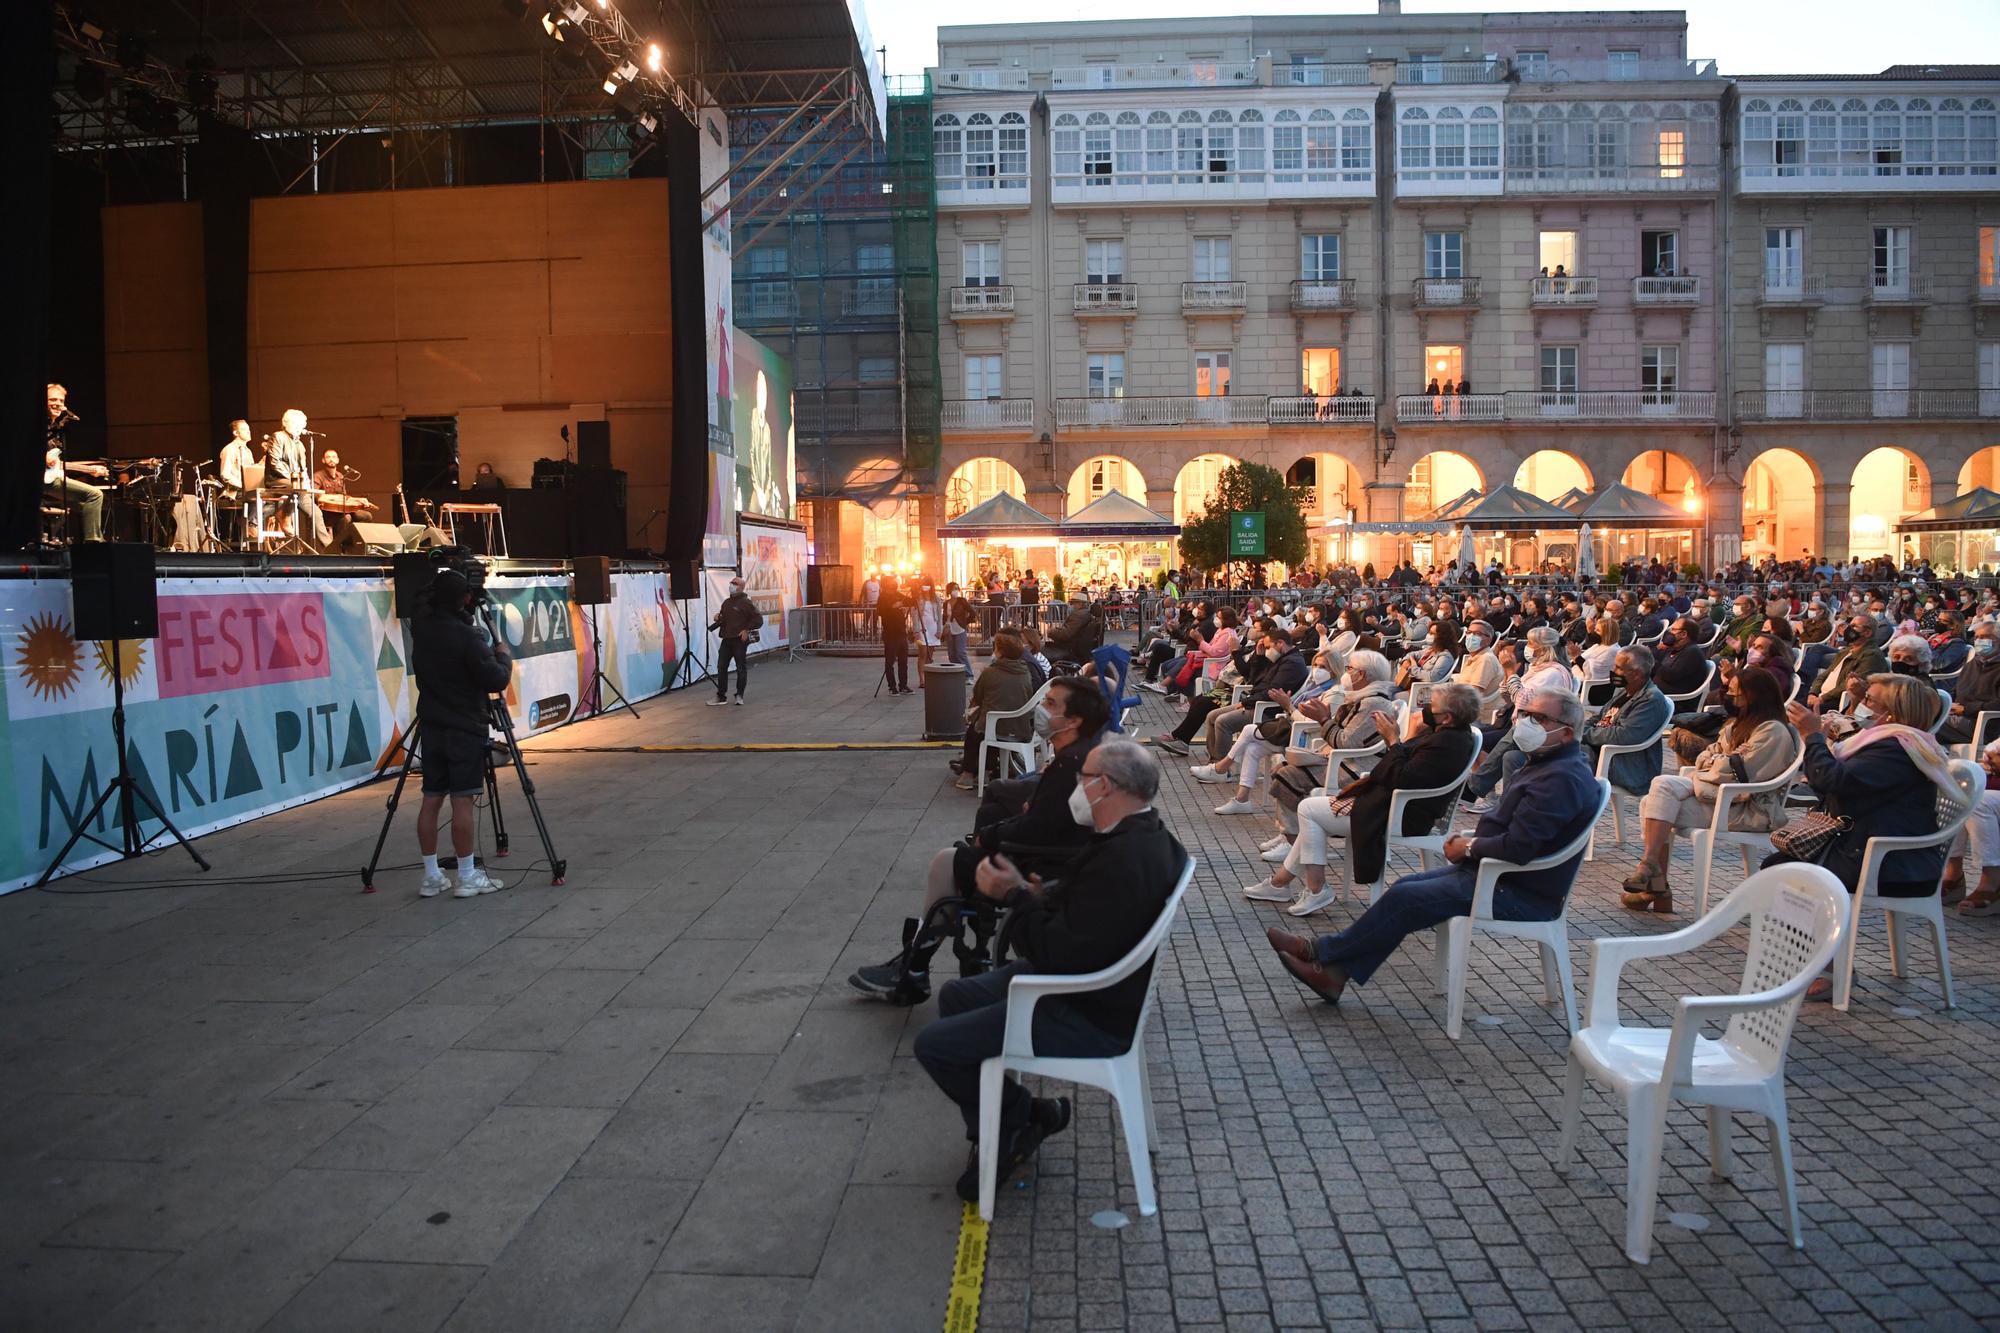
pixel 261 694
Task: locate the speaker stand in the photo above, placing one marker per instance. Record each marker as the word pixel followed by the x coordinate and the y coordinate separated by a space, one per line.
pixel 690 664
pixel 594 691
pixel 129 793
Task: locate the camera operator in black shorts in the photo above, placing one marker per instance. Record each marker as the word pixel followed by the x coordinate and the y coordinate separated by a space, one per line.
pixel 457 669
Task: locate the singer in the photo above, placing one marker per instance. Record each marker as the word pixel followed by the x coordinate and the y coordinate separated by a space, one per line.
pixel 288 462
pixel 58 486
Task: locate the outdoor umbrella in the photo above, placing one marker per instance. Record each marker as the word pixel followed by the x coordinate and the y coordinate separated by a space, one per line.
pixel 1586 559
pixel 1465 552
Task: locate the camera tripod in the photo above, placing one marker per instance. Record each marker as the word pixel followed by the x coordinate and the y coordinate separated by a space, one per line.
pixel 497 718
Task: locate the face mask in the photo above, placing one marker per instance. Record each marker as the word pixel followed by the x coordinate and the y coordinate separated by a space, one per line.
pixel 1529 735
pixel 1045 725
pixel 1852 635
pixel 1864 715
pixel 1430 717
pixel 1903 668
pixel 1079 806
pixel 1474 642
pixel 1271 654
pixel 1754 657
pixel 1984 647
pixel 1318 676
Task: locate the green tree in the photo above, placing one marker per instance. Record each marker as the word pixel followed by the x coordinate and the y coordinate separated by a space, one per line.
pixel 1248 488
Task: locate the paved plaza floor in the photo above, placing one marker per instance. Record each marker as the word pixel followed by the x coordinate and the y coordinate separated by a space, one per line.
pixel 648 1100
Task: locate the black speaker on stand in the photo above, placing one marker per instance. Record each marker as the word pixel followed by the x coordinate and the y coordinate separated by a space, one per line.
pixel 114 596
pixel 590 580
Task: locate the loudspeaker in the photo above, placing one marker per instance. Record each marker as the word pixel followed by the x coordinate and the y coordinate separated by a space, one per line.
pixel 112 589
pixel 358 537
pixel 591 578
pixel 413 574
pixel 829 585
pixel 683 583
pixel 593 442
pixel 421 536
pixel 688 464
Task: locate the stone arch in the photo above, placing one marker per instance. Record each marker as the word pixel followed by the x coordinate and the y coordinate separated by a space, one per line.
pixel 1781 505
pixel 1980 468
pixel 977 480
pixel 1100 474
pixel 1889 483
pixel 1195 482
pixel 1437 478
pixel 1551 473
pixel 1336 484
pixel 1665 475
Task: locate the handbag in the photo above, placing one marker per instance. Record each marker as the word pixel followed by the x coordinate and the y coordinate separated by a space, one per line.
pixel 1810 836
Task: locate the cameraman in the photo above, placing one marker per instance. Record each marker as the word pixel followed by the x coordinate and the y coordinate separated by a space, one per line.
pixel 456 670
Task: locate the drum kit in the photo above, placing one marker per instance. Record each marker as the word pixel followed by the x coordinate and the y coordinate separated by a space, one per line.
pixel 170 504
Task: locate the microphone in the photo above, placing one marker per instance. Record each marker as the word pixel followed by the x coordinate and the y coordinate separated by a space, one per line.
pixel 351 472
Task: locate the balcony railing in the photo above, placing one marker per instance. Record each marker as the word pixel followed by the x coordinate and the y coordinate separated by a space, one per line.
pixel 1105 298
pixel 1322 293
pixel 1612 405
pixel 977 302
pixel 1590 70
pixel 988 414
pixel 1228 410
pixel 1189 74
pixel 1642 179
pixel 1445 293
pixel 1987 293
pixel 1331 409
pixel 814 416
pixel 1861 404
pixel 1450 71
pixel 1451 407
pixel 1565 291
pixel 1794 288
pixel 868 305
pixel 1214 295
pixel 1901 289
pixel 1351 74
pixel 1680 289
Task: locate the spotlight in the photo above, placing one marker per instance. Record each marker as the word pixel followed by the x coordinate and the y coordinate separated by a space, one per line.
pixel 620 78
pixel 91 32
pixel 656 58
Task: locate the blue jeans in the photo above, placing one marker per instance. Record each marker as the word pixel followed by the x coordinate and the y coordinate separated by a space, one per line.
pixel 1496 768
pixel 1817 655
pixel 954 648
pixel 1419 902
pixel 971 1022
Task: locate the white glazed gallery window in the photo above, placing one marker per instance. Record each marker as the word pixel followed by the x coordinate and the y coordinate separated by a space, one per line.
pixel 1211 374
pixel 1104 261
pixel 1622 64
pixel 1211 259
pixel 983 378
pixel 1532 65
pixel 1883 136
pixel 982 263
pixel 1104 375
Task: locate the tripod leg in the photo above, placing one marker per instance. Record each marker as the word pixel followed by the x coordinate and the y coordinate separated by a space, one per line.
pixel 137 795
pixel 78 834
pixel 395 795
pixel 498 820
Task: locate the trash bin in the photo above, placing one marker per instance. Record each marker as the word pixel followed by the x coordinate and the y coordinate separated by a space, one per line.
pixel 944 701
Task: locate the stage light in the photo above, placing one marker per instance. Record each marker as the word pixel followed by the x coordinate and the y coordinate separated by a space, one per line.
pixel 91 32
pixel 656 59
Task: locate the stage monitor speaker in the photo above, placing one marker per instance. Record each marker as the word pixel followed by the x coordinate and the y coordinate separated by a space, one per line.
pixel 359 537
pixel 421 536
pixel 591 575
pixel 111 585
pixel 593 444
pixel 413 574
pixel 683 581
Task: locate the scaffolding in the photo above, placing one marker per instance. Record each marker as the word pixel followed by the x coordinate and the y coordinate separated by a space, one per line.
pixel 841 278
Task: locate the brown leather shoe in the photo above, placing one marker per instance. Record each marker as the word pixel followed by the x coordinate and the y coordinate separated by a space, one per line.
pixel 1325 982
pixel 1293 946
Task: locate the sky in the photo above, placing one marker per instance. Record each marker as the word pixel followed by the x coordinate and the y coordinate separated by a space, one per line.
pixel 1744 36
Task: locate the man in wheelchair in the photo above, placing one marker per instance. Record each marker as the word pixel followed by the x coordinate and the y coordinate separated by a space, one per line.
pixel 1082 917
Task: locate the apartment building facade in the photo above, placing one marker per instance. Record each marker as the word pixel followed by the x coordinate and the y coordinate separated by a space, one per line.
pixel 1165 246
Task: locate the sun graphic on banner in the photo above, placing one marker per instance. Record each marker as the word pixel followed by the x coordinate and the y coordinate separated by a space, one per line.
pixel 131 660
pixel 48 658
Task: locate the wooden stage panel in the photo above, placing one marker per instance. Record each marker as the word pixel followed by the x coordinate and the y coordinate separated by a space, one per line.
pixel 475 224
pixel 153 291
pixel 326 231
pixel 600 294
pixel 437 376
pixel 345 379
pixel 483 300
pixel 163 439
pixel 626 219
pixel 158 388
pixel 608 368
pixel 512 439
pixel 295 308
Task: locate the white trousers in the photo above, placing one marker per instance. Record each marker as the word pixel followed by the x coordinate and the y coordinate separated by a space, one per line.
pixel 1316 823
pixel 1981 832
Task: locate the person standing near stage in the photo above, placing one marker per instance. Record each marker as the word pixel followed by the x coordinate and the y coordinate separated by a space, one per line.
pixel 736 624
pixel 893 608
pixel 457 670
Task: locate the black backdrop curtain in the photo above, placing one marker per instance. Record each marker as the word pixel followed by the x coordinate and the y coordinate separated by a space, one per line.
pixel 27 85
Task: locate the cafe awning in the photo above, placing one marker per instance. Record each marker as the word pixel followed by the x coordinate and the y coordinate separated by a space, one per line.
pixel 1977 508
pixel 1619 506
pixel 1115 516
pixel 1002 516
pixel 1511 509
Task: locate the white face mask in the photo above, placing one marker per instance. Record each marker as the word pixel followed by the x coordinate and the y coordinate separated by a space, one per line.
pixel 1474 642
pixel 1079 806
pixel 1045 725
pixel 1529 735
pixel 1318 676
pixel 1984 647
pixel 1271 654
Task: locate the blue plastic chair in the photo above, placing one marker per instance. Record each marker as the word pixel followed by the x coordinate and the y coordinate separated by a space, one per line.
pixel 1113 665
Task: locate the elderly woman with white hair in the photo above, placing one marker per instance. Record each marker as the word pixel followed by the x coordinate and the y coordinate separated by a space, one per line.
pixel 1254 745
pixel 1349 726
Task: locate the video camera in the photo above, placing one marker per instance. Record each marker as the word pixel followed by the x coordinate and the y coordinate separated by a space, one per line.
pixel 468 566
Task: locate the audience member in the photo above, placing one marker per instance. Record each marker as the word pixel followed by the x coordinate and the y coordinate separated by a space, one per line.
pixel 1977 688
pixel 1004 686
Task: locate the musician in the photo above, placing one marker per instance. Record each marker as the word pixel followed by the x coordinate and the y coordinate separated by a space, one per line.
pixel 289 462
pixel 236 453
pixel 57 483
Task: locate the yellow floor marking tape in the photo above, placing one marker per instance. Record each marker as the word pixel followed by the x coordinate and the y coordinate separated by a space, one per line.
pixel 749 747
pixel 968 1273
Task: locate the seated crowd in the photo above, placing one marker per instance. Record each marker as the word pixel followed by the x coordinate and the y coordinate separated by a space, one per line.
pixel 1712 713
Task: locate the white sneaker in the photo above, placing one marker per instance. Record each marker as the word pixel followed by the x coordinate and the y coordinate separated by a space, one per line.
pixel 1486 805
pixel 473 882
pixel 1275 840
pixel 718 703
pixel 1232 806
pixel 1277 854
pixel 433 885
pixel 1264 891
pixel 1153 685
pixel 1309 903
pixel 1207 773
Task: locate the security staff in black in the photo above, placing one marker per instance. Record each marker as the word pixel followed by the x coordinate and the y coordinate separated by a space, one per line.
pixel 736 624
pixel 457 670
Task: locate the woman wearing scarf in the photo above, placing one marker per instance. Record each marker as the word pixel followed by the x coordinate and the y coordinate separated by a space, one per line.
pixel 1886 779
pixel 1350 726
pixel 1253 745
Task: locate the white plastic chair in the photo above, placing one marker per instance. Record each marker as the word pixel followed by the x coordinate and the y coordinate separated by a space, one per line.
pixel 1944 712
pixel 1423 844
pixel 1971 748
pixel 1123 1076
pixel 1025 751
pixel 1454 937
pixel 1693 697
pixel 1971 780
pixel 1795 927
pixel 1707 842
pixel 1604 757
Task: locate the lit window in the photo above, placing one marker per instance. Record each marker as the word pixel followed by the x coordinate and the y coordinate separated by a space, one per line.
pixel 1673 154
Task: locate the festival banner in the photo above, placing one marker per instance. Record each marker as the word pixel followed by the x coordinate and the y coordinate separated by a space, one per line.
pixel 774 575
pixel 262 694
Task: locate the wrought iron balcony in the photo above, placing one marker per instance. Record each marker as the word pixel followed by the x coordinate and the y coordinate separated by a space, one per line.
pixel 1794 288
pixel 1117 299
pixel 1227 410
pixel 1678 289
pixel 1445 293
pixel 1564 291
pixel 1209 297
pixel 1612 405
pixel 988 414
pixel 1450 408
pixel 982 302
pixel 1450 71
pixel 1900 289
pixel 1859 404
pixel 1334 409
pixel 1309 294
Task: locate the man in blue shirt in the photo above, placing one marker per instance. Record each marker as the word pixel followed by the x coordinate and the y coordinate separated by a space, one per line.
pixel 1547 805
